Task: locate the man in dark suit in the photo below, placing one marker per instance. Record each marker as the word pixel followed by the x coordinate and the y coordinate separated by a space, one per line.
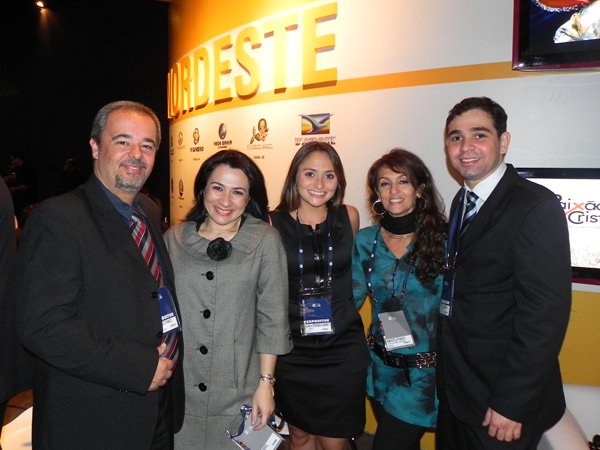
pixel 88 302
pixel 15 370
pixel 507 294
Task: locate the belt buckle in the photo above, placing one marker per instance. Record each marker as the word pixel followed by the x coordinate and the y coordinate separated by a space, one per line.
pixel 423 360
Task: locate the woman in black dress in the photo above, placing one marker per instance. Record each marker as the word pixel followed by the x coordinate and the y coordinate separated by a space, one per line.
pixel 321 383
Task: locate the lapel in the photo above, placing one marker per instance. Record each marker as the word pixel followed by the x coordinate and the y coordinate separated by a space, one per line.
pixel 113 231
pixel 493 208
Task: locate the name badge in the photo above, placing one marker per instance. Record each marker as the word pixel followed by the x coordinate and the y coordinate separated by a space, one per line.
pixel 315 309
pixel 168 313
pixel 249 439
pixel 447 292
pixel 396 331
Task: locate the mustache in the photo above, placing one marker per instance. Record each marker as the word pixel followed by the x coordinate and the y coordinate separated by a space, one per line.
pixel 133 162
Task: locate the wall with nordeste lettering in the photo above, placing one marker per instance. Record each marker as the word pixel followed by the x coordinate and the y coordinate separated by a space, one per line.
pixel 367 77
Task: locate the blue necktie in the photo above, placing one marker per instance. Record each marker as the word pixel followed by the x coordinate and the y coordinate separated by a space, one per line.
pixel 470 212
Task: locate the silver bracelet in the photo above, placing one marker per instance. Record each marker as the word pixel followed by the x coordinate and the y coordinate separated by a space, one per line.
pixel 268 377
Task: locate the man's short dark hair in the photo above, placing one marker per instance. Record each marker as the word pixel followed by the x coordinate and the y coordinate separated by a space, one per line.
pixel 494 110
pixel 102 117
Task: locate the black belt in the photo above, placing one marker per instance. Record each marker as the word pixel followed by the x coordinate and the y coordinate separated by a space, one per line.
pixel 416 360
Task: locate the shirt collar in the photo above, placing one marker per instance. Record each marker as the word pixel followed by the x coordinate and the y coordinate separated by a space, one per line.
pixel 124 209
pixel 485 187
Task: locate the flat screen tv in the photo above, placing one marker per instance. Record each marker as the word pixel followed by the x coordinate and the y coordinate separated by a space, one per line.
pixel 578 191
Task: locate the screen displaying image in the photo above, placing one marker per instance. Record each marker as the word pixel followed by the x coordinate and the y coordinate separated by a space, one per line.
pixel 556 34
pixel 583 25
pixel 580 200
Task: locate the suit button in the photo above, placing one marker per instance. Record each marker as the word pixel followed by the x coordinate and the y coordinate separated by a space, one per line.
pixel 159 334
pixel 154 294
pixel 202 387
pixel 206 313
pixel 210 275
pixel 203 350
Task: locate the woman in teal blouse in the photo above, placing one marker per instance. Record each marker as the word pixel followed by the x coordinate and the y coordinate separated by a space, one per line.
pixel 399 263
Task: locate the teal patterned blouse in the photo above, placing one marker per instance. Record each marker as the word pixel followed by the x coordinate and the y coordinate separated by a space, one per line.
pixel 416 404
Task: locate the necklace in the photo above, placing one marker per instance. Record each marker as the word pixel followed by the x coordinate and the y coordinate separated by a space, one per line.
pixel 398 236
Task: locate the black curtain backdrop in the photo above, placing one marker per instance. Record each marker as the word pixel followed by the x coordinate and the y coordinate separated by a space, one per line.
pixel 57 69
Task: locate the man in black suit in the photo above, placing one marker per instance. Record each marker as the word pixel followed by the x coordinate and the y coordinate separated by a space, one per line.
pixel 88 301
pixel 15 370
pixel 507 294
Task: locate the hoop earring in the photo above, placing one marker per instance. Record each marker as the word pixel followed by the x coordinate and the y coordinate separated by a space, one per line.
pixel 375 211
pixel 424 204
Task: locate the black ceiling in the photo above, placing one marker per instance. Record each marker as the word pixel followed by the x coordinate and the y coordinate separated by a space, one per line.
pixel 15 9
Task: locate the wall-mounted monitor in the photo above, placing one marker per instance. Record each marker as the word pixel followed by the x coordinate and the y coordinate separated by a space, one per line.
pixel 556 35
pixel 578 191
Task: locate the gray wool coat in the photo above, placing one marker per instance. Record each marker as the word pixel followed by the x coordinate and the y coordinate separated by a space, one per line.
pixel 232 310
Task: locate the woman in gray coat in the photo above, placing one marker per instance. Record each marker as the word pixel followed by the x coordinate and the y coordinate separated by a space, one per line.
pixel 230 275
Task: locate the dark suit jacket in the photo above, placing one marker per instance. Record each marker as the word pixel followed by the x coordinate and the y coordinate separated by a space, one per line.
pixel 88 310
pixel 15 363
pixel 511 307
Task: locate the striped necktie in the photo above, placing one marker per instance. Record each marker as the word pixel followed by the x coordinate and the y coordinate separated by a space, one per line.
pixel 470 212
pixel 143 239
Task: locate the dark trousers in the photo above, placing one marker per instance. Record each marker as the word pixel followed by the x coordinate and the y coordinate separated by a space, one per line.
pixel 163 435
pixel 453 434
pixel 395 434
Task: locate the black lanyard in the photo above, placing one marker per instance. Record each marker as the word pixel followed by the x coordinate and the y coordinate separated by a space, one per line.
pixel 372 268
pixel 301 252
pixel 454 234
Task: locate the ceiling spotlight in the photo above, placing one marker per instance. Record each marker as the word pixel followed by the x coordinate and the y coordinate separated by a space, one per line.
pixel 40 5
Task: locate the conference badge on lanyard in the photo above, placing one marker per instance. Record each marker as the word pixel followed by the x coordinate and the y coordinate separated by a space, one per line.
pixel 447 292
pixel 396 331
pixel 315 312
pixel 168 313
pixel 447 297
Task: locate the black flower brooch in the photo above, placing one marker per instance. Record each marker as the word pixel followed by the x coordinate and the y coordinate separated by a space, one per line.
pixel 219 249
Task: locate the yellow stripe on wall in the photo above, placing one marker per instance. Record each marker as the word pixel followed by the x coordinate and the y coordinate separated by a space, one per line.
pixel 445 75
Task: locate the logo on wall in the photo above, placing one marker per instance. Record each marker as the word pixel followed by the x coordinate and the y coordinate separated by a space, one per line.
pixel 258 138
pixel 315 127
pixel 180 187
pixel 196 139
pixel 315 124
pixel 222 131
pixel 222 144
pixel 263 131
pixel 179 145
